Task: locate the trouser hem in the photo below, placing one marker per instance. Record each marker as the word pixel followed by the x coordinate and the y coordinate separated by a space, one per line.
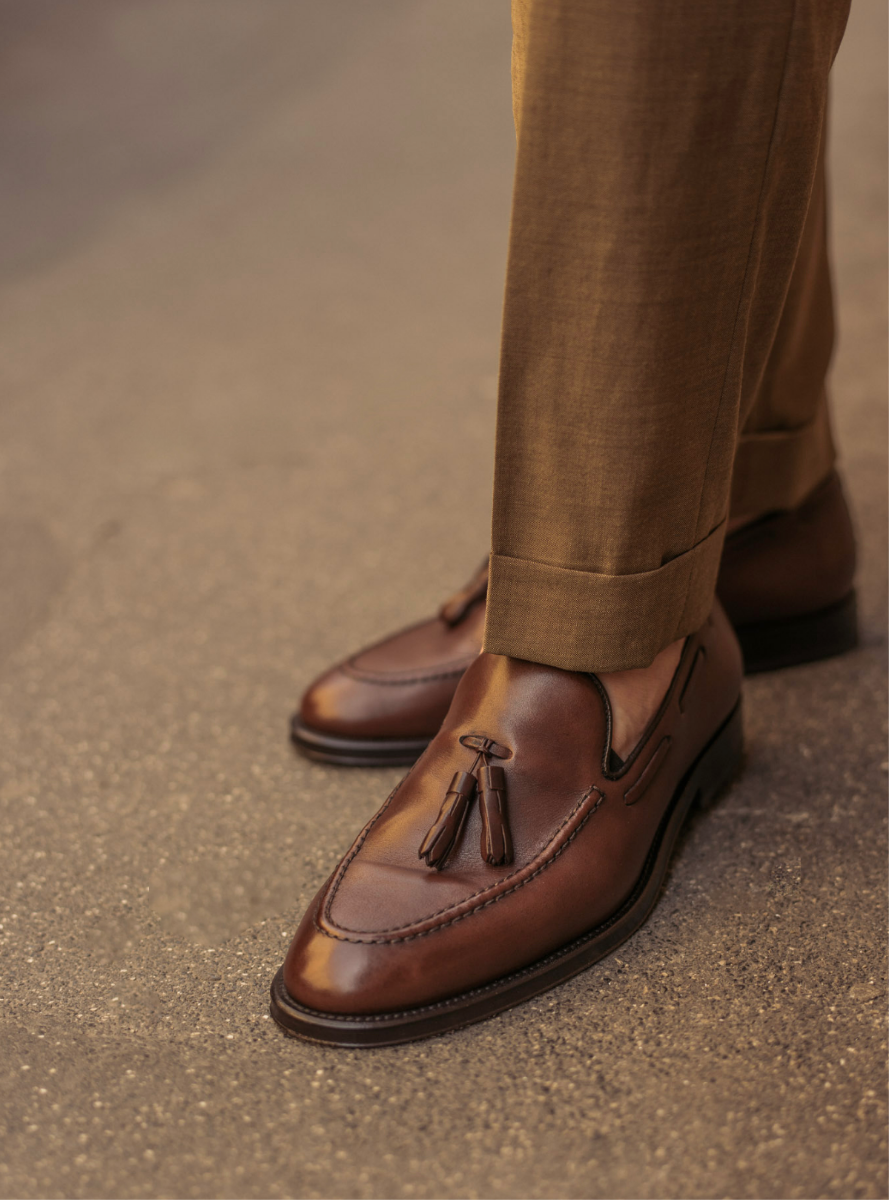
pixel 778 469
pixel 584 621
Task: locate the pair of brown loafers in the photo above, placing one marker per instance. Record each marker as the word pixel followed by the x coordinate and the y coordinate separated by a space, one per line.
pixel 519 850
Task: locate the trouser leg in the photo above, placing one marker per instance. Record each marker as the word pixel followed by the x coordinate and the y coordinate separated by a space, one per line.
pixel 667 156
pixel 786 448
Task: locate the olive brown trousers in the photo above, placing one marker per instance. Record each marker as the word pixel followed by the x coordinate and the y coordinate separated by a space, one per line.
pixel 668 318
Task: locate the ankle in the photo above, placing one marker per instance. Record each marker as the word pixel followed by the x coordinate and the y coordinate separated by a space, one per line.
pixel 635 696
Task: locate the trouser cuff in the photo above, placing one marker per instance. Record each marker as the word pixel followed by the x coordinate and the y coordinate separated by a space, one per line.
pixel 582 621
pixel 778 469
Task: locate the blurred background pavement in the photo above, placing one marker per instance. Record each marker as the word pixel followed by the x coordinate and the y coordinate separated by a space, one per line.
pixel 251 264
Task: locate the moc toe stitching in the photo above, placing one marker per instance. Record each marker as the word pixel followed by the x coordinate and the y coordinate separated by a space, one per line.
pixel 338 931
pixel 363 955
pixel 398 678
pixel 518 973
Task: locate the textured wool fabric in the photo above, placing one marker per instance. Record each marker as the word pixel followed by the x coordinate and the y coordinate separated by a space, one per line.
pixel 668 313
pixel 786 447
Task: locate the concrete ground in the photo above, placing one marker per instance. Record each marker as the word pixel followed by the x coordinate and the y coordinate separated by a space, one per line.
pixel 251 257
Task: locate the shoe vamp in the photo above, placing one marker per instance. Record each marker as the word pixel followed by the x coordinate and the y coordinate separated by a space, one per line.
pixel 550 728
pixel 429 647
pixel 384 885
pixel 579 879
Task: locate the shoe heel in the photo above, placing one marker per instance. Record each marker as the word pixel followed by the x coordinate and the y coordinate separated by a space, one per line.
pixel 770 645
pixel 720 763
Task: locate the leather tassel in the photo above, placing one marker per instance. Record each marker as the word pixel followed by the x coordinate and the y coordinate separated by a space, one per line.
pixel 496 844
pixel 484 746
pixel 441 838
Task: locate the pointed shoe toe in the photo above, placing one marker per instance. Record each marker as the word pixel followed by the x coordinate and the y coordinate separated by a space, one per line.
pixel 509 858
pixel 382 706
pixel 354 719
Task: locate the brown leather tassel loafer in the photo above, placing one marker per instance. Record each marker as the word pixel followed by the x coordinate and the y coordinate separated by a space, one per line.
pixel 510 857
pixel 785 582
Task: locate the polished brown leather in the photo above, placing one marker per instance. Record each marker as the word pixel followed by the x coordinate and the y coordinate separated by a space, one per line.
pixel 388 932
pixel 783 565
pixel 402 686
pixel 788 564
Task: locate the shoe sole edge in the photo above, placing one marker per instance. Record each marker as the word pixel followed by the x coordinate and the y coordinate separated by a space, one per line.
pixel 710 773
pixel 355 752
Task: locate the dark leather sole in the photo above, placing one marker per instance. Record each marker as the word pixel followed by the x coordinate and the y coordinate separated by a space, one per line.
pixel 714 768
pixel 771 645
pixel 356 752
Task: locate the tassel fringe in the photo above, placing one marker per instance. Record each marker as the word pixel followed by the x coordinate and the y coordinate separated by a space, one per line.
pixel 496 844
pixel 440 840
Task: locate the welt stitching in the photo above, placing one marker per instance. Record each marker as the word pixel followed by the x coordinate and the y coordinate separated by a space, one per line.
pixel 412 937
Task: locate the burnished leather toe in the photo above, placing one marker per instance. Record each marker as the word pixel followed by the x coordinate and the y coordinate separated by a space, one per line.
pixel 384 704
pixel 509 857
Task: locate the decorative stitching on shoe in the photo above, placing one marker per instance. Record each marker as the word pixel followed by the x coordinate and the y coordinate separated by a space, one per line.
pixel 553 955
pixel 378 935
pixel 637 790
pixel 437 1005
pixel 655 722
